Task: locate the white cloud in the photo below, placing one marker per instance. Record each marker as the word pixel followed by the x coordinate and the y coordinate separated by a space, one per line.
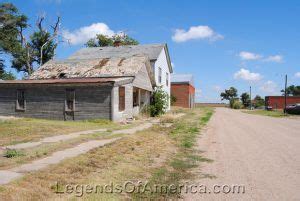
pixel 217 88
pixel 244 55
pixel 274 58
pixel 297 74
pixel 83 34
pixel 249 56
pixel 245 74
pixel 172 64
pixel 269 87
pixel 198 93
pixel 196 32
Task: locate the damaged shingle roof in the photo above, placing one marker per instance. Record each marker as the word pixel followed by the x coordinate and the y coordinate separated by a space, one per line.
pixel 151 50
pixel 88 68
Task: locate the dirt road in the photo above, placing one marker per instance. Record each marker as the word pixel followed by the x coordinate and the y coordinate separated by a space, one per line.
pixel 257 152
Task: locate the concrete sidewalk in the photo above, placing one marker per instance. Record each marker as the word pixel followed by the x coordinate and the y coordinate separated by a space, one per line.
pixel 7 176
pixel 52 139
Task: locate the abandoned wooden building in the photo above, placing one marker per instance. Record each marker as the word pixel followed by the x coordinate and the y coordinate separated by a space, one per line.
pixel 113 88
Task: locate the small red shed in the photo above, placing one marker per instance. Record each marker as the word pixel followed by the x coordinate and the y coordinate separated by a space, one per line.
pixel 182 88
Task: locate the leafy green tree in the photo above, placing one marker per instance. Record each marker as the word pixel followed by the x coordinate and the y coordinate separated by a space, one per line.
pixel 245 98
pixel 159 102
pixel 292 90
pixel 229 94
pixel 5 75
pixel 11 22
pixel 104 41
pixel 258 101
pixel 27 53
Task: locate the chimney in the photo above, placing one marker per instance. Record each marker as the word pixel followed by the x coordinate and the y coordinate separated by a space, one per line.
pixel 117 43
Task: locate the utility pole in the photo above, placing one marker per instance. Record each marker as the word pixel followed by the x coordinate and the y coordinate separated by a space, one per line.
pixel 250 100
pixel 285 94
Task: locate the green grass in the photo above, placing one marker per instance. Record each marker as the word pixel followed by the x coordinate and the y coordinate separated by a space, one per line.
pixel 273 113
pixel 11 153
pixel 184 134
pixel 15 131
pixel 159 155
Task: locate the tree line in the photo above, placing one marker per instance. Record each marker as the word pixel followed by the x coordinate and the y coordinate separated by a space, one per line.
pixel 244 101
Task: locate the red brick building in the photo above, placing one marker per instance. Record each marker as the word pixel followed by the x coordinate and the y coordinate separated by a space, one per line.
pixel 182 88
pixel 277 102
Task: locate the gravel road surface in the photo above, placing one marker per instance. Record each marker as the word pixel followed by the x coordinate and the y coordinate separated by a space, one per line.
pixel 260 153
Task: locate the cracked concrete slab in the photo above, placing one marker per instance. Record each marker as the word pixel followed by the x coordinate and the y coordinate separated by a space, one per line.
pixel 53 139
pixel 7 176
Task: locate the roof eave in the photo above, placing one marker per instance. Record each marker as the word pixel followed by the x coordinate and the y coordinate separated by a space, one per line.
pixel 168 58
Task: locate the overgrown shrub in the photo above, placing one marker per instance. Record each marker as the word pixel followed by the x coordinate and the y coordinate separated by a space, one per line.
pixel 237 104
pixel 173 99
pixel 159 102
pixel 10 153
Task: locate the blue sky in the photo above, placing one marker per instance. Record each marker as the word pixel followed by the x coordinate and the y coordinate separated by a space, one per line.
pixel 222 43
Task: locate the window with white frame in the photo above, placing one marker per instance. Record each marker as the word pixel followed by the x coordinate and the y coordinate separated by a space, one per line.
pixel 159 75
pixel 167 79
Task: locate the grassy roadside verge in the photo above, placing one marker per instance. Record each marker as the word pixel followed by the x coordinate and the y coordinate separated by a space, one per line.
pixel 273 113
pixel 177 169
pixel 162 155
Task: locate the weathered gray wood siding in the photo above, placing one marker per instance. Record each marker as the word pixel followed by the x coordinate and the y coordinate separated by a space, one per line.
pixel 91 102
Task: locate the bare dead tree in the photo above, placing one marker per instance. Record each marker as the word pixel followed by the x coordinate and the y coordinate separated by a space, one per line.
pixel 54 35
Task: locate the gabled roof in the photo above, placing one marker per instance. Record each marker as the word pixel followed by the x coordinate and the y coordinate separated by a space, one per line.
pixel 152 51
pixel 91 68
pixel 182 78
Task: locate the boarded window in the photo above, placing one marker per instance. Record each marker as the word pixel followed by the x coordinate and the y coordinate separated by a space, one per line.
pixel 135 97
pixel 159 75
pixel 167 79
pixel 20 103
pixel 121 98
pixel 70 100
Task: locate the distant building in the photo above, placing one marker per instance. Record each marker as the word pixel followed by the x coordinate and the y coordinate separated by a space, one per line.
pixel 277 102
pixel 183 90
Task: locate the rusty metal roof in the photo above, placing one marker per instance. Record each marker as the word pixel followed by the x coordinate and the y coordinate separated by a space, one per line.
pixel 66 81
